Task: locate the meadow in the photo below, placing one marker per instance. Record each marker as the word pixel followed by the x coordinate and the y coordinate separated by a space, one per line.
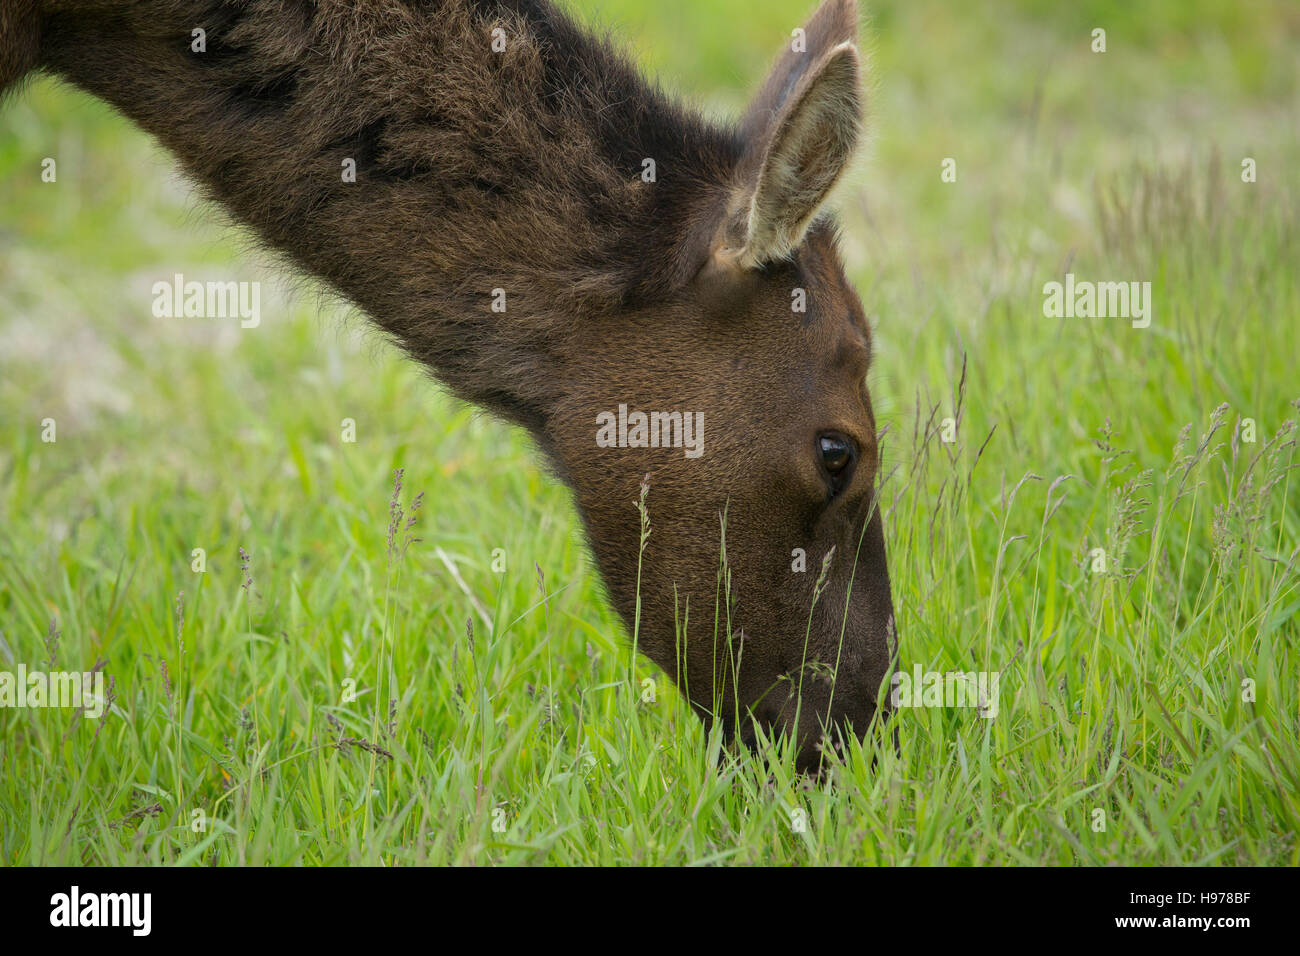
pixel 1101 513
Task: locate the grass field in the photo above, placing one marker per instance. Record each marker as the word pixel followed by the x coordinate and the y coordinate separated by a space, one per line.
pixel 323 700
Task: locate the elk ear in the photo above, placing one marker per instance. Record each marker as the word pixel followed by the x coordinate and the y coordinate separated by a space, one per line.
pixel 798 137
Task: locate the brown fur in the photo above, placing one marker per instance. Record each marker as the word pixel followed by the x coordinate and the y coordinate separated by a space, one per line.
pixel 521 171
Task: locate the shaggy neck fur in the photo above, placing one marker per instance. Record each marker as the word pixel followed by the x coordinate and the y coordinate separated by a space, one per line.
pixel 477 169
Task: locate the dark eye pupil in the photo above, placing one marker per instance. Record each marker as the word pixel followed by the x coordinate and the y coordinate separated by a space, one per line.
pixel 836 454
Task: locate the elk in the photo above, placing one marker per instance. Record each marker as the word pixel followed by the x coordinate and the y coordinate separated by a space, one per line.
pixel 502 226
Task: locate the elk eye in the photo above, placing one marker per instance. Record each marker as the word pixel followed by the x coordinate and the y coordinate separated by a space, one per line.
pixel 837 454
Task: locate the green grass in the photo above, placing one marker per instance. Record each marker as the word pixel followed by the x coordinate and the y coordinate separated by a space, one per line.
pixel 1123 691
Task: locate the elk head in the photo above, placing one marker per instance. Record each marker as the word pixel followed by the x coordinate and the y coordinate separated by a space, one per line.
pixel 760 357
